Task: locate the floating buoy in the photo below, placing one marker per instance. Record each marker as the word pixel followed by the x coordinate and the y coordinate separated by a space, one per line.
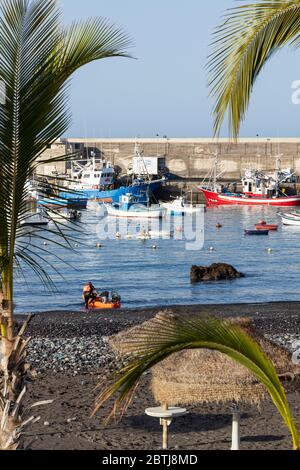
pixel 99 245
pixel 76 246
pixel 211 248
pixel 45 244
pixel 118 235
pixel 219 226
pixel 154 247
pixel 270 250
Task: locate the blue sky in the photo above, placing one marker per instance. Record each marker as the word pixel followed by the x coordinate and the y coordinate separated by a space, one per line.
pixel 165 91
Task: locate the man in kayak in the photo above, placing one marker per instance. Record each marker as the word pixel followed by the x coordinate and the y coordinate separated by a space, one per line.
pixel 89 294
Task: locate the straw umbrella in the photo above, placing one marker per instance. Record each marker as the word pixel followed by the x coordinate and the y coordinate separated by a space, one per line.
pixel 199 376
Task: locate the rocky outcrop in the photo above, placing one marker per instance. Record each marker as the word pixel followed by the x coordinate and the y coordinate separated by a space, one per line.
pixel 215 272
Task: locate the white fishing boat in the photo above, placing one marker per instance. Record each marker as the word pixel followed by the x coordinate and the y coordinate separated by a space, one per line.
pixel 129 207
pixel 73 215
pixel 37 219
pixel 180 207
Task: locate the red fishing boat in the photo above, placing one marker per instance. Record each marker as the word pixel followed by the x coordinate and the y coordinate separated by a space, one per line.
pixel 259 189
pixel 215 198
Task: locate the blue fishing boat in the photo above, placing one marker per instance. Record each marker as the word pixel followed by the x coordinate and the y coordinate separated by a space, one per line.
pixel 132 207
pixel 88 182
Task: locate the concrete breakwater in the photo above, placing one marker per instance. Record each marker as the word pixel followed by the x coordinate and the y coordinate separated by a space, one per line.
pixel 193 158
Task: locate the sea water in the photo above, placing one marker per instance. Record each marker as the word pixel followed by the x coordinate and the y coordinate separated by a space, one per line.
pixel 145 276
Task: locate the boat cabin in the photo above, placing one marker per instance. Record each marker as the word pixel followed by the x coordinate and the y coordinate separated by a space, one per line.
pixel 96 179
pixel 127 200
pixel 257 184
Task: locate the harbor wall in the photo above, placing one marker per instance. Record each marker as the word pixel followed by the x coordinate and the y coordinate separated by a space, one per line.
pixel 186 158
pixel 193 158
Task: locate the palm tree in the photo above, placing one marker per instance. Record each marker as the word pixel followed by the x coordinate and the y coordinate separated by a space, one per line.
pixel 154 342
pixel 243 43
pixel 38 57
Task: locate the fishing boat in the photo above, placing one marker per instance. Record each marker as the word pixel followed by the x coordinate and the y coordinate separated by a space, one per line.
pixel 98 182
pixel 180 207
pixel 259 189
pixel 256 232
pixel 37 219
pixel 131 207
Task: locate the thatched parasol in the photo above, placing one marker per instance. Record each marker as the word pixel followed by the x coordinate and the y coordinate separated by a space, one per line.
pixel 198 376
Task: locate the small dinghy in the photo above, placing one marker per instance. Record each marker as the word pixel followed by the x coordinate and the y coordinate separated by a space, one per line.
pixel 102 302
pixel 256 232
pixel 289 220
pixel 180 207
pixel 271 227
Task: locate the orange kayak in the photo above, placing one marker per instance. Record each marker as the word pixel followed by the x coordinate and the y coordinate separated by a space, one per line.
pixel 266 227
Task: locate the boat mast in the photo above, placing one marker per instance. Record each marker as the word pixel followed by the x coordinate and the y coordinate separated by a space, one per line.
pixel 215 172
pixel 277 173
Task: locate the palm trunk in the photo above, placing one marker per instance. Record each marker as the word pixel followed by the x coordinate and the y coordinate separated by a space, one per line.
pixel 13 354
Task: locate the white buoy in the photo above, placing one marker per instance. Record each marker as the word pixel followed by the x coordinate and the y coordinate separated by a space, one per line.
pixel 118 235
pixel 270 250
pixel 45 244
pixel 76 246
pixel 154 247
pixel 211 249
pixel 99 245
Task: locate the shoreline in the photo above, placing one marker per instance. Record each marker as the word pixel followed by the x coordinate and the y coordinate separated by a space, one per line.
pixel 292 303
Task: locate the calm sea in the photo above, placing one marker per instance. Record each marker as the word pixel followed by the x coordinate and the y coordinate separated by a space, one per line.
pixel 144 276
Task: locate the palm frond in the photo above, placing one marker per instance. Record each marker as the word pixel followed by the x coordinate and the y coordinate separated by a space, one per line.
pixel 248 37
pixel 161 338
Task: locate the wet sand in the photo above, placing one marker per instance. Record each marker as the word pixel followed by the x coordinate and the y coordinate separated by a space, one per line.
pixel 70 355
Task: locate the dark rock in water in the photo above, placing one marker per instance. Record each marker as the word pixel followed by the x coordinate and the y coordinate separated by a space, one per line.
pixel 215 272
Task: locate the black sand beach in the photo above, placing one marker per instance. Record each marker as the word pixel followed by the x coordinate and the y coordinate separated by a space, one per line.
pixel 70 353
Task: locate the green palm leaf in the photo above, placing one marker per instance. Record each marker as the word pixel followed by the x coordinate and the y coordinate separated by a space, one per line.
pixel 242 45
pixel 154 342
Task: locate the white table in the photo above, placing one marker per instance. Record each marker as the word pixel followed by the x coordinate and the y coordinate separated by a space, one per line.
pixel 166 416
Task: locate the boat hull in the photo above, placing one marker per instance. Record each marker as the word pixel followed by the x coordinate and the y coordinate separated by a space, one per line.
pixel 114 195
pixel 101 306
pixel 290 221
pixel 257 232
pixel 143 214
pixel 216 199
pixel 273 228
